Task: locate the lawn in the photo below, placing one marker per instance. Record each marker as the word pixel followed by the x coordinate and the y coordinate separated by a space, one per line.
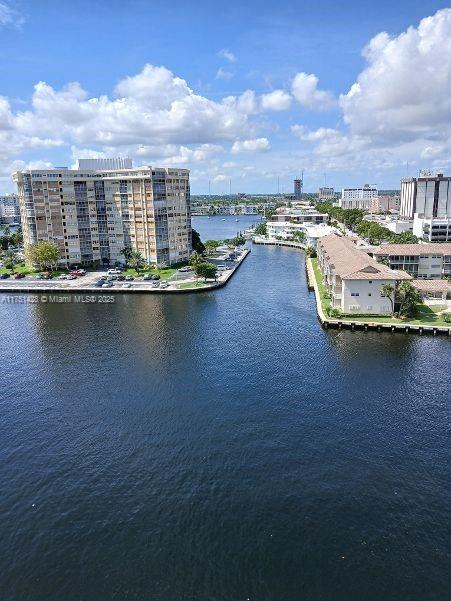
pixel 19 269
pixel 186 285
pixel 325 302
pixel 164 274
pixel 26 270
pixel 426 315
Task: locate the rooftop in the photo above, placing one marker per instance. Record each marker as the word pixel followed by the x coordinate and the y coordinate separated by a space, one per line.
pixel 436 248
pixel 350 263
pixel 432 285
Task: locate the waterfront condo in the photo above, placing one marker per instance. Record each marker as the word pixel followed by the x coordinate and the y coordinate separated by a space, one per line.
pixel 92 213
pixel 353 278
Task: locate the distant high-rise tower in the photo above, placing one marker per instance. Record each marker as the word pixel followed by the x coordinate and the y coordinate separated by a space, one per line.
pixel 298 185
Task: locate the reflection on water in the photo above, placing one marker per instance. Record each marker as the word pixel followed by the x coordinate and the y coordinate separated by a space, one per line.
pixel 221 445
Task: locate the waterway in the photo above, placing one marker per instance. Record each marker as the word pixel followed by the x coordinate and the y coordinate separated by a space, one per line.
pixel 221 446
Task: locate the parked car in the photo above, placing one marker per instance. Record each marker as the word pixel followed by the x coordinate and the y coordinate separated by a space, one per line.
pixel 121 278
pixel 155 284
pixel 129 278
pixel 126 285
pixel 185 269
pixel 4 276
pixel 103 277
pixel 99 283
pixel 164 284
pixel 107 285
pixel 18 276
pixel 147 277
pixel 155 276
pixel 115 271
pixel 71 277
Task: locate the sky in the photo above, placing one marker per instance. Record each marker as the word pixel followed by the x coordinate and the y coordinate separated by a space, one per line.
pixel 244 94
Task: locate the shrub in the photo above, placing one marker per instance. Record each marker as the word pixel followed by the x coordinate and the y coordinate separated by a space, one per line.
pixel 446 317
pixel 334 312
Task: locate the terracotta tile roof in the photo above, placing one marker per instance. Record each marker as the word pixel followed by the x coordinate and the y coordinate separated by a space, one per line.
pixel 436 248
pixel 432 285
pixel 350 263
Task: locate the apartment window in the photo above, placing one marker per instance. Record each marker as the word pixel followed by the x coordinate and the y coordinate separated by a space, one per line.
pixel 355 293
pixel 370 281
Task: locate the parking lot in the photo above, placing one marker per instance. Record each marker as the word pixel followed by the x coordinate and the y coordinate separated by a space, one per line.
pixel 115 282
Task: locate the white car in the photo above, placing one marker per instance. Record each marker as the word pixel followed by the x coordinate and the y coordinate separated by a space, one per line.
pixel 114 271
pixel 126 285
pixel 164 285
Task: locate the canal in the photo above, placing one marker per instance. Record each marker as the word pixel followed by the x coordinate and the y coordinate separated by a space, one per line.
pixel 221 446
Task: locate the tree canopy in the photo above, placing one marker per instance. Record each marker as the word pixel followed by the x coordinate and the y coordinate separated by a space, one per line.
pixel 43 255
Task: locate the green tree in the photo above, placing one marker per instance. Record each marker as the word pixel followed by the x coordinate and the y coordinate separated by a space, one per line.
pixel 408 298
pixel 195 260
pixel 299 236
pixel 126 253
pixel 261 229
pixel 43 255
pixel 310 252
pixel 10 260
pixel 197 243
pixel 16 239
pixel 135 260
pixel 206 270
pixel 404 238
pixel 387 291
pixel 211 245
pixel 238 241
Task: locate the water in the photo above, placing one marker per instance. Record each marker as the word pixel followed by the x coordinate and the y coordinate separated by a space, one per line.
pixel 219 228
pixel 221 446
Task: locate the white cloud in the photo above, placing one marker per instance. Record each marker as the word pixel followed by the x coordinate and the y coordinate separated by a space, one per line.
pixel 318 135
pixel 278 100
pixel 405 91
pixel 220 178
pixel 228 55
pixel 223 74
pixel 304 88
pixel 255 145
pixel 9 15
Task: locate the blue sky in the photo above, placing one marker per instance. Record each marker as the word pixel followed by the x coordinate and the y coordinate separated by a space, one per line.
pixel 241 91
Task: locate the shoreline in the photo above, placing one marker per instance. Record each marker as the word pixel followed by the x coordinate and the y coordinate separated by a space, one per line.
pixel 65 288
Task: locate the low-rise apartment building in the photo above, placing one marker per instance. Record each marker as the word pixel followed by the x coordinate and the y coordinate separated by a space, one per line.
pixel 286 230
pixel 305 214
pixel 353 278
pixel 422 261
pixel 93 214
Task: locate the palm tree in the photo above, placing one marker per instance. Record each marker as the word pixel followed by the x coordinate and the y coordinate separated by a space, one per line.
pixel 388 291
pixel 196 260
pixel 135 260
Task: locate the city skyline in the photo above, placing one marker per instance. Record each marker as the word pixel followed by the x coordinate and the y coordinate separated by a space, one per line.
pixel 335 92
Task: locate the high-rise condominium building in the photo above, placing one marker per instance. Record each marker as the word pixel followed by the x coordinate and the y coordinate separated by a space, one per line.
pixel 427 200
pixel 93 214
pixel 429 196
pixel 326 194
pixel 358 198
pixel 298 186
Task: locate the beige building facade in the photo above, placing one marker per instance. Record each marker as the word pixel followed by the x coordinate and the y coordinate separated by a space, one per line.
pixel 92 215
